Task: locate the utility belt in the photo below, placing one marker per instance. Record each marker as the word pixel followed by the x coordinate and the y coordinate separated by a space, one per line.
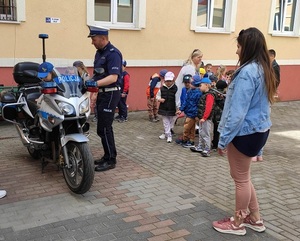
pixel 101 90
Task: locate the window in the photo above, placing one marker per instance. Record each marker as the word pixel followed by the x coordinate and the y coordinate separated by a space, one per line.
pixel 213 15
pixel 12 11
pixel 118 14
pixel 285 17
pixel 8 10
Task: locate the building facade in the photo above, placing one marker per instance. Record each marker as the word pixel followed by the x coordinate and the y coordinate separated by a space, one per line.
pixel 151 34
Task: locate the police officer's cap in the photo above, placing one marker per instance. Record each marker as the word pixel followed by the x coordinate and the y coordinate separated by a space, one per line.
pixel 95 30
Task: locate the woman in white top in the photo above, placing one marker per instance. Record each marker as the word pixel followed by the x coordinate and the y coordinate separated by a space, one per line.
pixel 191 66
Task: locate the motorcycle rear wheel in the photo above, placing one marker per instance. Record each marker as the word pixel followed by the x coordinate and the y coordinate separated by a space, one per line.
pixel 80 176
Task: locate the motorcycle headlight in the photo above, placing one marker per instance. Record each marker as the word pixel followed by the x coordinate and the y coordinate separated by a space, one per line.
pixel 66 108
pixel 84 106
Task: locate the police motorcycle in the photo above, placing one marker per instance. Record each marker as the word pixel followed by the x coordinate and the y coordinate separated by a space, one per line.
pixel 51 120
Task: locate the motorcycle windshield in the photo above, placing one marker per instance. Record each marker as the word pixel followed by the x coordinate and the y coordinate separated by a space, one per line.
pixel 69 83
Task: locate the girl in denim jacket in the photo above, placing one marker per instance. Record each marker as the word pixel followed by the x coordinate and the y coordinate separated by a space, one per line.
pixel 244 127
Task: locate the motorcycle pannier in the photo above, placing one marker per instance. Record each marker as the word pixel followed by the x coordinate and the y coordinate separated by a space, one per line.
pixel 8 98
pixel 22 78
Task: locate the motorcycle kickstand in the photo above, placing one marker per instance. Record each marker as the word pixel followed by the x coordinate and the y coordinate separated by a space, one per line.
pixel 44 164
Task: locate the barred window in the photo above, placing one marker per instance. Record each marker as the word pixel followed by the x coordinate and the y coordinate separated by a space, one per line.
pixel 114 11
pixel 117 14
pixel 214 16
pixel 8 10
pixel 284 15
pixel 285 19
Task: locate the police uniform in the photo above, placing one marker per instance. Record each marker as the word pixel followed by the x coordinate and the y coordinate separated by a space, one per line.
pixel 110 59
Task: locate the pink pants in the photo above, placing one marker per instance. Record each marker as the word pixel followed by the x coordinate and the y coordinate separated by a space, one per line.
pixel 245 195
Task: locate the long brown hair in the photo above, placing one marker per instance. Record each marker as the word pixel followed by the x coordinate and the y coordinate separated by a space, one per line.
pixel 254 48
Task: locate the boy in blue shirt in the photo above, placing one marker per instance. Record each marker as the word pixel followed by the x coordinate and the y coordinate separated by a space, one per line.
pixel 190 108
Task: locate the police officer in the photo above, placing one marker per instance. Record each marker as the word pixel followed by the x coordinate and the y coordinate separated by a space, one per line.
pixel 107 76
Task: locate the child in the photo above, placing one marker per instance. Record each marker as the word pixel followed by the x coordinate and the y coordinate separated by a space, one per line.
pixel 82 70
pixel 187 85
pixel 191 110
pixel 152 89
pixel 221 72
pixel 213 80
pixel 122 106
pixel 208 69
pixel 218 109
pixel 45 71
pixel 205 111
pixel 202 72
pixel 229 75
pixel 169 104
pixel 84 74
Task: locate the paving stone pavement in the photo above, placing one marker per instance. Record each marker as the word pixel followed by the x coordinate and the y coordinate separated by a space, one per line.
pixel 158 191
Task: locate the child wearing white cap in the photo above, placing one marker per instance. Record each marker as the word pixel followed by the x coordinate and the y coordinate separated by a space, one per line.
pixel 169 105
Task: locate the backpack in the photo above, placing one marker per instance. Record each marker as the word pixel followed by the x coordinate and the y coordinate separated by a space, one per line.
pixel 218 107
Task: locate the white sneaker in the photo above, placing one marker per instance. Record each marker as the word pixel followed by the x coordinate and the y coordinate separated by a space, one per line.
pixel 162 136
pixel 169 140
pixel 2 193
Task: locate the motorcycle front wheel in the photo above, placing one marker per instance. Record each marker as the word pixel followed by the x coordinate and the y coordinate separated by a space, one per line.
pixel 80 176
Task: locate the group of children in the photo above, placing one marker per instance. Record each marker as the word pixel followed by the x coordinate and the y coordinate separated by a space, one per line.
pixel 201 103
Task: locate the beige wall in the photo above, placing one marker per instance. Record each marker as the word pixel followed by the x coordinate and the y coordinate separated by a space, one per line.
pixel 165 42
pixel 167 36
pixel 67 39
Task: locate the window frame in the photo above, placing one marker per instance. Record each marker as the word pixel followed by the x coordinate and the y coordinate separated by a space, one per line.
pixel 282 32
pixel 9 6
pixel 229 19
pixel 20 13
pixel 139 16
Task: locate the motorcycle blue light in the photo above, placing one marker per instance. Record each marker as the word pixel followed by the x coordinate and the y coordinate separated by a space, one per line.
pixel 49 87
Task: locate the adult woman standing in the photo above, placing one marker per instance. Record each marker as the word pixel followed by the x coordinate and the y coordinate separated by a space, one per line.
pixel 191 66
pixel 244 127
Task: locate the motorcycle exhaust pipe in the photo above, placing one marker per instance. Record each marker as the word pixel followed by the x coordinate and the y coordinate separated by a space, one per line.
pixel 26 141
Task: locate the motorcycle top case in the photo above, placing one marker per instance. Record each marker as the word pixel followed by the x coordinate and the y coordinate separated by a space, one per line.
pixel 20 77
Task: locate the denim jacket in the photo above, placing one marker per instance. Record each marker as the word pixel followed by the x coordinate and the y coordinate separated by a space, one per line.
pixel 247 108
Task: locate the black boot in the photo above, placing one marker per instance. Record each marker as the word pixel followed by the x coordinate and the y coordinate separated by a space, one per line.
pixel 100 161
pixel 107 165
